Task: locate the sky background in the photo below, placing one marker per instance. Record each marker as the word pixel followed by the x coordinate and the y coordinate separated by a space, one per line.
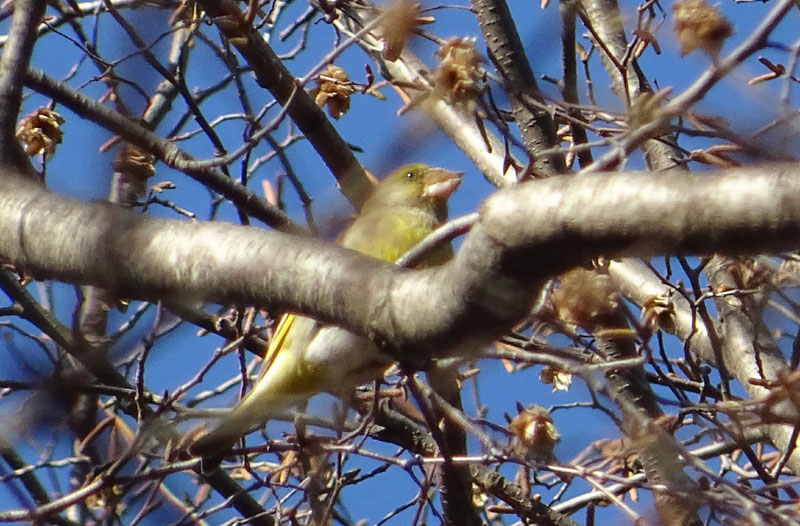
pixel 80 171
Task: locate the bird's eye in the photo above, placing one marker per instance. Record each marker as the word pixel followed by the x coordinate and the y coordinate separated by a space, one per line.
pixel 410 175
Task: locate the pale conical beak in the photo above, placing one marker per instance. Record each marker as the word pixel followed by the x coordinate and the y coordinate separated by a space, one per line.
pixel 441 183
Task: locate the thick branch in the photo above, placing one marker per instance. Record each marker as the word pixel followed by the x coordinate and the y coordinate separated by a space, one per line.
pixel 525 235
pixel 628 80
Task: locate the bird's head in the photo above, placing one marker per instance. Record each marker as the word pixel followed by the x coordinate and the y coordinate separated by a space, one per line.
pixel 417 185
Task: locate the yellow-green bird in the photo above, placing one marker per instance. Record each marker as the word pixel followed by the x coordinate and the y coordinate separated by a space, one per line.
pixel 306 357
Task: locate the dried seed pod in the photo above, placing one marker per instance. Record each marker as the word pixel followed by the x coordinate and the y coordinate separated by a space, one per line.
pixel 134 162
pixel 534 433
pixel 699 24
pixel 399 22
pixel 333 90
pixel 40 131
pixel 585 298
pixel 458 77
pixel 658 312
pixel 557 377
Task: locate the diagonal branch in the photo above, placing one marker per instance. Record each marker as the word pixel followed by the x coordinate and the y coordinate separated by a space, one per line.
pixel 165 151
pixel 273 75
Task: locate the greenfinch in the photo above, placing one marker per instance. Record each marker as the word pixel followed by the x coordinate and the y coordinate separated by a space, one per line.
pixel 306 357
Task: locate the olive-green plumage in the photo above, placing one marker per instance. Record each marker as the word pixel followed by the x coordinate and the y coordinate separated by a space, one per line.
pixel 306 357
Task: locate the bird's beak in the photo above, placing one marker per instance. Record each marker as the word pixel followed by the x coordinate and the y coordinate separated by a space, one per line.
pixel 441 183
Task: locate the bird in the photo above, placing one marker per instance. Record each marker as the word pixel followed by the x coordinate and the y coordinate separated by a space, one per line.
pixel 306 357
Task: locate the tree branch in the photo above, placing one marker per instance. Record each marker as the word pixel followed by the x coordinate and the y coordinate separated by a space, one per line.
pixel 640 285
pixel 513 248
pixel 13 65
pixel 97 363
pixel 163 150
pixel 505 50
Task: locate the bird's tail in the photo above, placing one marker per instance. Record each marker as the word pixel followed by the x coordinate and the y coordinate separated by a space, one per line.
pixel 303 359
pixel 272 395
pixel 224 435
